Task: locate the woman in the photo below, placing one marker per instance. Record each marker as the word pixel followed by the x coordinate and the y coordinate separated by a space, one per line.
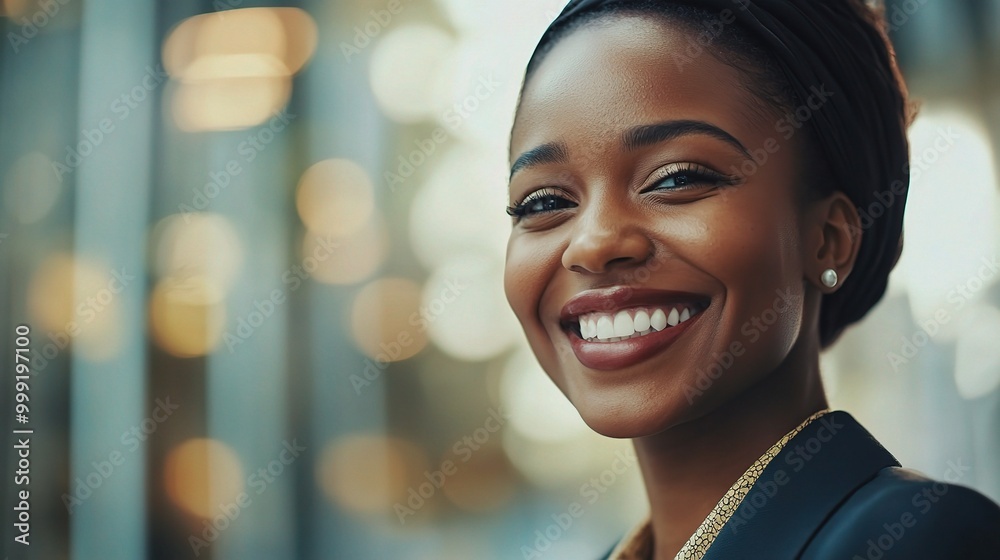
pixel 704 195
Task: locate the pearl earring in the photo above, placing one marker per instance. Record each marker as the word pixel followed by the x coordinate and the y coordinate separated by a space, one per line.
pixel 829 278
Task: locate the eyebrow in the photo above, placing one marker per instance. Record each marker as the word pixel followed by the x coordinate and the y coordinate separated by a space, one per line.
pixel 646 135
pixel 553 152
pixel 632 139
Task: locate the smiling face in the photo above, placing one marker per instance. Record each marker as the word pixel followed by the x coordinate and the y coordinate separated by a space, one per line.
pixel 638 206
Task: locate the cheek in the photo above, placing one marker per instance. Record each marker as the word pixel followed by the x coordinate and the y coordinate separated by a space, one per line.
pixel 753 250
pixel 527 272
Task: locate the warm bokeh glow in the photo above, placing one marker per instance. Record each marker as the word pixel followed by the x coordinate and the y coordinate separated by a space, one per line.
pixel 547 440
pixel 229 104
pixel 203 245
pixel 353 259
pixel 460 209
pixel 187 317
pixel 200 474
pixel 78 301
pixel 13 8
pixel 368 474
pixel 235 67
pixel 335 197
pixel 467 311
pixel 386 320
pixel 409 71
pixel 484 483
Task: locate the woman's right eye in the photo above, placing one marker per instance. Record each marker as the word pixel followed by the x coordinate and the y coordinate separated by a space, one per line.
pixel 540 202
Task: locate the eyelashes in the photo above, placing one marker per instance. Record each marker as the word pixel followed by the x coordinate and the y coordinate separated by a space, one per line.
pixel 680 176
pixel 673 178
pixel 547 199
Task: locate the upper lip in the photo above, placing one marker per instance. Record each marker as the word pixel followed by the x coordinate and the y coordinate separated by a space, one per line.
pixel 616 298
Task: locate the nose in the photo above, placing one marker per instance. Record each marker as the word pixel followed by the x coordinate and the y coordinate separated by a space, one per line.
pixel 604 239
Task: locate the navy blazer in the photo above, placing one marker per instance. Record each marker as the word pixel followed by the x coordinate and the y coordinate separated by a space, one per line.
pixel 833 492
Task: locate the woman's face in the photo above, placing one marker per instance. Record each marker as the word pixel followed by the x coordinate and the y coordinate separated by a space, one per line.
pixel 645 208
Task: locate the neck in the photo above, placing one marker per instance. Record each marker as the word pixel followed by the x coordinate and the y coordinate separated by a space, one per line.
pixel 688 468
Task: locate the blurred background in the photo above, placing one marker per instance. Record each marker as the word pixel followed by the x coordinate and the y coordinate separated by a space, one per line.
pixel 260 246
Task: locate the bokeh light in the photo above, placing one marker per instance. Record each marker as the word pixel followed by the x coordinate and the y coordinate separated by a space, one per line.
pixel 954 182
pixel 78 301
pixel 229 104
pixel 335 197
pixel 385 320
pixel 483 483
pixel 354 258
pixel 538 410
pixel 460 209
pixel 187 316
pixel 547 440
pixel 13 8
pixel 235 67
pixel 196 244
pixel 368 474
pixel 409 71
pixel 200 474
pixel 466 309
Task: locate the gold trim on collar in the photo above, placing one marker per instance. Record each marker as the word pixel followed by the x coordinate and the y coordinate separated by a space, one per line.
pixel 638 544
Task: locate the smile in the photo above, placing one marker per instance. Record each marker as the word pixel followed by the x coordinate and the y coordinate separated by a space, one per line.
pixel 620 327
pixel 633 323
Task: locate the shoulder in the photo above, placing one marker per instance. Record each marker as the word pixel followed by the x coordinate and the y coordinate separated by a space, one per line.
pixel 900 513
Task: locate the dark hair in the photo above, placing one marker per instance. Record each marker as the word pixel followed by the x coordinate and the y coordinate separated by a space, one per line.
pixel 788 49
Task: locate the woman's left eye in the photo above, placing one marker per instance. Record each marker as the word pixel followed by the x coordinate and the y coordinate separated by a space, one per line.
pixel 685 176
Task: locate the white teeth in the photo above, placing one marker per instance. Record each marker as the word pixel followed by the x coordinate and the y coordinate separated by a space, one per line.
pixel 674 318
pixel 659 320
pixel 641 321
pixel 623 324
pixel 605 328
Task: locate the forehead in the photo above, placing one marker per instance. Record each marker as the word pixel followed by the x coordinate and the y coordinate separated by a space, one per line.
pixel 627 70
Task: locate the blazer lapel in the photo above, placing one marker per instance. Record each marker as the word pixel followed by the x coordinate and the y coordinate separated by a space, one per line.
pixel 816 470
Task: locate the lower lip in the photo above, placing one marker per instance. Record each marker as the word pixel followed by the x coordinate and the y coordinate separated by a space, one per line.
pixel 624 353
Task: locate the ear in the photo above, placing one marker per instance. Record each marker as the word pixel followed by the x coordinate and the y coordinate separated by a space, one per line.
pixel 835 240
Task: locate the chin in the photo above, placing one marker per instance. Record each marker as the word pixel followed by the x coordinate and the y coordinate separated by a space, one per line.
pixel 633 415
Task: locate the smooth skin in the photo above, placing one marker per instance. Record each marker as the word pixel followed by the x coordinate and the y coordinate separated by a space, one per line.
pixel 679 213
